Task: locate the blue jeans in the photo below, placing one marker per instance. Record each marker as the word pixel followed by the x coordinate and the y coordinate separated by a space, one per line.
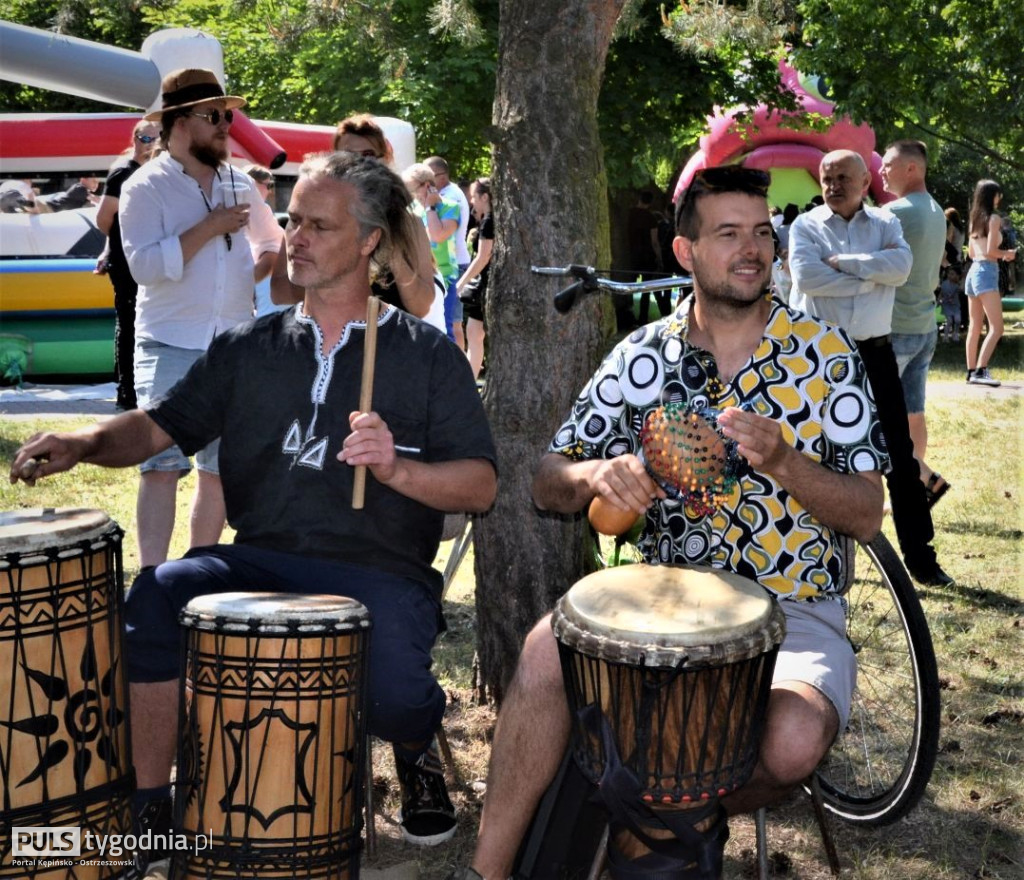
pixel 452 307
pixel 405 701
pixel 914 352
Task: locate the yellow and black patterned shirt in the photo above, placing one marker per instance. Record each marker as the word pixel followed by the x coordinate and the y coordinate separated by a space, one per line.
pixel 806 375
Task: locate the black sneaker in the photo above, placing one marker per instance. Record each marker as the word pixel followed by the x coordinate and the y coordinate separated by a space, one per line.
pixel 154 823
pixel 932 577
pixel 428 817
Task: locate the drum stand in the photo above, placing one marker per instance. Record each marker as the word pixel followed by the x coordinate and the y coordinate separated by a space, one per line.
pixel 824 826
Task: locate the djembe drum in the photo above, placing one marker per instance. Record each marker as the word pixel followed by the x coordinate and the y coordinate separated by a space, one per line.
pixel 65 758
pixel 668 671
pixel 272 751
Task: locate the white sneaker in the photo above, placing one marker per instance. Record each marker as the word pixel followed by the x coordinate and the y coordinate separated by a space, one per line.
pixel 984 377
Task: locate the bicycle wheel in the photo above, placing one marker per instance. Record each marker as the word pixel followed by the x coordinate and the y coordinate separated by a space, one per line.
pixel 878 769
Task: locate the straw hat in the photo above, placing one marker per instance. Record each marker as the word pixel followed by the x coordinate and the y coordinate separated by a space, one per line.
pixel 189 86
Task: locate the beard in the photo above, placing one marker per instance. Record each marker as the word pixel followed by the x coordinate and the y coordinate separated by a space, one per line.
pixel 209 154
pixel 722 292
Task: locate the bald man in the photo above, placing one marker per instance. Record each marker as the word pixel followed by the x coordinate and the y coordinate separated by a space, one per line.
pixel 847 259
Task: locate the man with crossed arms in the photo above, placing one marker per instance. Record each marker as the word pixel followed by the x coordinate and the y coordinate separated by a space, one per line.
pixel 847 259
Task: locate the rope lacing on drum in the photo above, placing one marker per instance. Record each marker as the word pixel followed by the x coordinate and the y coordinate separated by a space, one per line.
pixel 688 855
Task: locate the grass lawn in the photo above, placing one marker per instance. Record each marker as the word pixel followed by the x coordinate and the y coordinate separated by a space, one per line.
pixel 971 821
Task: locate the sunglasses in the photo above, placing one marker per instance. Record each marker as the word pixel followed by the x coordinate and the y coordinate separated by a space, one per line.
pixel 213 117
pixel 146 138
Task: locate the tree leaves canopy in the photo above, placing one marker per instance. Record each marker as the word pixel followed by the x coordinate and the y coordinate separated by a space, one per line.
pixel 948 70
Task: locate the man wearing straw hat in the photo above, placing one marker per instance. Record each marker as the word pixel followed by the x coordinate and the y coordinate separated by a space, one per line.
pixel 191 234
pixel 283 395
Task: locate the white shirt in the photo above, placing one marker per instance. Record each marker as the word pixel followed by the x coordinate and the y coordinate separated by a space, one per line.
pixel 187 304
pixel 454 193
pixel 874 260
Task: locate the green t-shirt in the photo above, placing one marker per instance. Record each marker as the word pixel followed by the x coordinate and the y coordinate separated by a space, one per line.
pixel 924 228
pixel 444 251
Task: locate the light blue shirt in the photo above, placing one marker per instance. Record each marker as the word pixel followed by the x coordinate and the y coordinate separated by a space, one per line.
pixel 874 259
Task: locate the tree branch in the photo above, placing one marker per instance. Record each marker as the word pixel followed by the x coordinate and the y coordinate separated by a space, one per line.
pixel 964 141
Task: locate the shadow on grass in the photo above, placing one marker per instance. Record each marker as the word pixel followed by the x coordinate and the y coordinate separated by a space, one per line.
pixel 978 595
pixel 945 838
pixel 982 530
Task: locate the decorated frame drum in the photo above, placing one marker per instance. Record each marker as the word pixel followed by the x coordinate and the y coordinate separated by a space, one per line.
pixel 65 758
pixel 668 671
pixel 271 756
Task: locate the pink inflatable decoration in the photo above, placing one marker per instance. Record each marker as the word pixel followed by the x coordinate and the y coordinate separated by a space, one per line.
pixel 772 139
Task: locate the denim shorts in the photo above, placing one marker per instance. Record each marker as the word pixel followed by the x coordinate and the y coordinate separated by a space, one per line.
pixel 982 277
pixel 157 368
pixel 452 305
pixel 817 652
pixel 914 352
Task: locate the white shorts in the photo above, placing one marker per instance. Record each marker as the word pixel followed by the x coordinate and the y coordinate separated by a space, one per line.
pixel 817 652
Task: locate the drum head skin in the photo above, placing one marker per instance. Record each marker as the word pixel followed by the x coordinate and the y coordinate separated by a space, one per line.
pixel 668 615
pixel 35 529
pixel 275 613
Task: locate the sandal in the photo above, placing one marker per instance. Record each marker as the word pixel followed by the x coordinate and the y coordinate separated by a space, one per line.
pixel 935 488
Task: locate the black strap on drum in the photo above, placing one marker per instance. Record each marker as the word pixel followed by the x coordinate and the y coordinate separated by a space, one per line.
pixel 620 791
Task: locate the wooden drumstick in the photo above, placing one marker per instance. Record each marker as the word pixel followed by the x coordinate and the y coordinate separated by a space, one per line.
pixel 366 392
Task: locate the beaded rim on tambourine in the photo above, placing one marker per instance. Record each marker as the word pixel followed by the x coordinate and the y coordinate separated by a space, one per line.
pixel 689 457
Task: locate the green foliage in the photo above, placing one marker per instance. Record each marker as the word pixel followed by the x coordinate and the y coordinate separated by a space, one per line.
pixel 660 85
pixel 950 69
pixel 116 23
pixel 431 62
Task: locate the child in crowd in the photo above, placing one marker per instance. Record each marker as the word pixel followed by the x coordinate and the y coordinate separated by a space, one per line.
pixel 949 300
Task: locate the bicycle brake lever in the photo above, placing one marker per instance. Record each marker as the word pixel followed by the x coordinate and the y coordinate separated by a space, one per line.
pixel 565 299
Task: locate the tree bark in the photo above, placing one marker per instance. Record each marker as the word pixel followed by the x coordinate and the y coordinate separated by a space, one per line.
pixel 550 208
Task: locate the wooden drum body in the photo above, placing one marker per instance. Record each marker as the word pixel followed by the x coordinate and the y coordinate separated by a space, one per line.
pixel 668 671
pixel 273 736
pixel 65 758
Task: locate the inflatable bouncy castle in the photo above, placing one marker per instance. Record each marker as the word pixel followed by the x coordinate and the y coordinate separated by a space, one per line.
pixel 788 143
pixel 56 316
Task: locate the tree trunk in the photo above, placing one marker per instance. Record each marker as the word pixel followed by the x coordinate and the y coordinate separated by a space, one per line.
pixel 550 208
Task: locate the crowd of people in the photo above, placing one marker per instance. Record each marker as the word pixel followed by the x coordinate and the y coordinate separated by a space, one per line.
pixel 270 407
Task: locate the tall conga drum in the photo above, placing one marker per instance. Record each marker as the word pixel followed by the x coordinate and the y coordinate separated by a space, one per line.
pixel 668 671
pixel 65 758
pixel 272 748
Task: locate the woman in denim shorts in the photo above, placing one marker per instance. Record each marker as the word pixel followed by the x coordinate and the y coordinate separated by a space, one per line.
pixel 982 284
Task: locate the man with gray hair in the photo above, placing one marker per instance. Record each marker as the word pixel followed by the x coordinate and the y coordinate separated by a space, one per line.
pixel 282 394
pixel 847 259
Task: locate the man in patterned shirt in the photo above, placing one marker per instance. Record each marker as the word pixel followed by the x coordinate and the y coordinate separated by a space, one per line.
pixel 791 393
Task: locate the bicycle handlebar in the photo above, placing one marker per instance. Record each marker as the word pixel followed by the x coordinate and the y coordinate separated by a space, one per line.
pixel 588 281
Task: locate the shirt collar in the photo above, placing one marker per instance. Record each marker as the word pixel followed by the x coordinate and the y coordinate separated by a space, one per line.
pixel 779 325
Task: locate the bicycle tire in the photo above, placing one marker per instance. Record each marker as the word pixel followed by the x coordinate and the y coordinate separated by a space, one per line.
pixel 878 769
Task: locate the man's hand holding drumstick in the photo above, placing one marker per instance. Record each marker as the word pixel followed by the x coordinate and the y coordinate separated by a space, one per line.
pixel 371 445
